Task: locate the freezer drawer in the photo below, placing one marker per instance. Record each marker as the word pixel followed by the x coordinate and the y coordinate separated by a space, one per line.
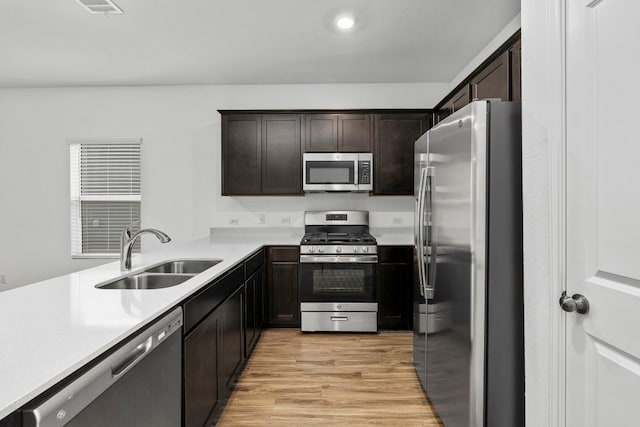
pixel 339 321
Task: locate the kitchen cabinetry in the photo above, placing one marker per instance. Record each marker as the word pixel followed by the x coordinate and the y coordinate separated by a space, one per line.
pixel 254 300
pixel 321 133
pixel 241 155
pixel 456 102
pixel 282 286
pixel 262 149
pixel 347 133
pixel 213 346
pixel 230 342
pixel 493 80
pixel 354 133
pixel 201 372
pixel 281 154
pixel 261 154
pixel 394 135
pixel 499 77
pixel 395 287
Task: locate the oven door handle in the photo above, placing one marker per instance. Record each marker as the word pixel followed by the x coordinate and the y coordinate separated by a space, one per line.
pixel 340 259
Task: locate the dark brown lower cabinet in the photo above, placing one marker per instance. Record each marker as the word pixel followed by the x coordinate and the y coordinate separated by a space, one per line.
pixel 201 372
pixel 282 286
pixel 213 347
pixel 254 309
pixel 395 287
pixel 230 342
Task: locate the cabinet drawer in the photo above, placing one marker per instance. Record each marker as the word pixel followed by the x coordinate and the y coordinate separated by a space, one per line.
pixel 253 263
pixel 396 254
pixel 284 253
pixel 201 304
pixel 338 321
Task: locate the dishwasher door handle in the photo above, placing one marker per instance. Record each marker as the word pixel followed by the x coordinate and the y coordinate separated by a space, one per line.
pixel 132 358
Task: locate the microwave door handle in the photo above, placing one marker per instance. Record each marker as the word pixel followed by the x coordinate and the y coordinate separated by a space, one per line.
pixel 356 176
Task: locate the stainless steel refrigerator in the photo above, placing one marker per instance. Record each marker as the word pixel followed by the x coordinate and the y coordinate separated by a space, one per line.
pixel 468 305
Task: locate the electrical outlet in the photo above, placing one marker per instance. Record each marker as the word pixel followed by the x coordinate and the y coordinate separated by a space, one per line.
pixel 261 219
pixel 3 279
pixel 234 221
pixel 285 220
pixel 396 220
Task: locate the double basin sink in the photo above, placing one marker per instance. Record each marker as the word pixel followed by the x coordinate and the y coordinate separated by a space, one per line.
pixel 164 275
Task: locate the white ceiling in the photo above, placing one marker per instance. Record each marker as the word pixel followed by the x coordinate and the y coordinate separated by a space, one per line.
pixel 58 43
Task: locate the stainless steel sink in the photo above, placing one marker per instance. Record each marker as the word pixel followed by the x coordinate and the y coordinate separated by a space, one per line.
pixel 146 281
pixel 183 266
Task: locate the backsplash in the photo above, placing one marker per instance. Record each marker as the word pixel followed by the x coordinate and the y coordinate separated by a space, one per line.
pixel 295 219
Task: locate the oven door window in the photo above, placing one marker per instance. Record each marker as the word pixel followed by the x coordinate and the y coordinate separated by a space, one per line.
pixel 326 282
pixel 333 172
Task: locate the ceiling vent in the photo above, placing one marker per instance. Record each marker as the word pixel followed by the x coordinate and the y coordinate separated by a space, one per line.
pixel 101 7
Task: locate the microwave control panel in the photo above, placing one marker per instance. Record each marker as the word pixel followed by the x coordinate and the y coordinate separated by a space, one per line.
pixel 364 172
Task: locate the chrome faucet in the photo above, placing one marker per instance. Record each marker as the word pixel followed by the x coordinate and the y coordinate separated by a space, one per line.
pixel 127 240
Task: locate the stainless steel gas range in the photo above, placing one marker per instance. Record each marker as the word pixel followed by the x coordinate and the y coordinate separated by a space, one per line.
pixel 338 273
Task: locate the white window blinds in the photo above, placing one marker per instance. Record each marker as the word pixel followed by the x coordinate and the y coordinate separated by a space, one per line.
pixel 105 195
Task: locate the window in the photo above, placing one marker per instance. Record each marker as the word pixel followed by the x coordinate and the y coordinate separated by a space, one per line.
pixel 105 195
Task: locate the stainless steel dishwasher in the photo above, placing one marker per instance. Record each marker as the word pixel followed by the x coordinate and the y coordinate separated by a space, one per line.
pixel 137 385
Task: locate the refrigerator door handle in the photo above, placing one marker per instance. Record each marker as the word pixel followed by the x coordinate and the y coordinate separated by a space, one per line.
pixel 430 277
pixel 423 237
pixel 419 232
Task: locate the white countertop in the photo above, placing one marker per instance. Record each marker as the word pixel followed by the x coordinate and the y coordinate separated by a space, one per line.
pixel 52 328
pixel 396 236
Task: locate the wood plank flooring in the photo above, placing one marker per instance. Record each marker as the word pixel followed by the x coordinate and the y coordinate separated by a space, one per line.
pixel 329 379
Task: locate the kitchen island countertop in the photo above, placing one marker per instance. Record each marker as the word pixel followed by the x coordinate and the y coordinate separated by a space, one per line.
pixel 52 328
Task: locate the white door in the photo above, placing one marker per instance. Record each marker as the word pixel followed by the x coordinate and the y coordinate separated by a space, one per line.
pixel 603 212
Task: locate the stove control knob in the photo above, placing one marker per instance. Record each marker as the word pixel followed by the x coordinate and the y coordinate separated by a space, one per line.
pixel 312 249
pixel 355 249
pixel 365 249
pixel 321 250
pixel 338 249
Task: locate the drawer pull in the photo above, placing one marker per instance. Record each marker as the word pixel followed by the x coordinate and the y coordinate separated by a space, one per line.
pixel 339 318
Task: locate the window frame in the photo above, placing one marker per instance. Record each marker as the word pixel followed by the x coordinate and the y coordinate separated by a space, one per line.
pixel 77 198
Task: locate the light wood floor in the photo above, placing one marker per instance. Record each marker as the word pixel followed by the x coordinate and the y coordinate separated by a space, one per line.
pixel 329 379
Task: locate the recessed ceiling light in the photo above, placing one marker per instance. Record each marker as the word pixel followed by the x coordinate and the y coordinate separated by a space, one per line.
pixel 100 7
pixel 345 22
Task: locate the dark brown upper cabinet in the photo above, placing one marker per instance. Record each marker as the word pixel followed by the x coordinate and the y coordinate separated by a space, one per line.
pixel 354 133
pixel 321 133
pixel 394 136
pixel 261 154
pixel 456 102
pixel 461 98
pixel 493 80
pixel 499 77
pixel 281 154
pixel 241 155
pixel 515 67
pixel 347 133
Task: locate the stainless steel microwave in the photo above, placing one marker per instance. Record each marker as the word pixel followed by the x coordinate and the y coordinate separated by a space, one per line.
pixel 337 172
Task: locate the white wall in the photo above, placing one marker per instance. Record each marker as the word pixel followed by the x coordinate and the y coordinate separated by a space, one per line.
pixel 181 161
